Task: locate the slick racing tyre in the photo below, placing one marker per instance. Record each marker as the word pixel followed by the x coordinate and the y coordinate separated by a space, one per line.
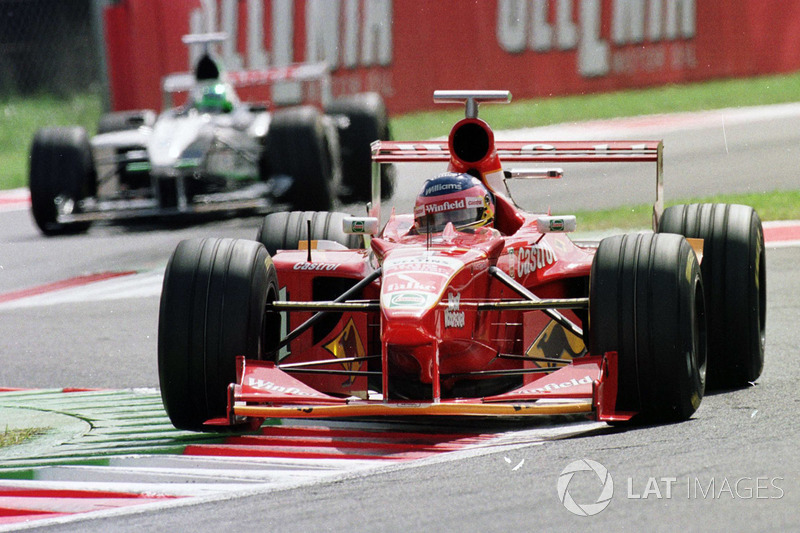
pixel 62 170
pixel 212 310
pixel 646 303
pixel 296 147
pixel 125 120
pixel 366 121
pixel 284 231
pixel 735 283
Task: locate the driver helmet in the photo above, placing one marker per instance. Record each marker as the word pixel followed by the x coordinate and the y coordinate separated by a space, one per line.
pixel 453 197
pixel 213 98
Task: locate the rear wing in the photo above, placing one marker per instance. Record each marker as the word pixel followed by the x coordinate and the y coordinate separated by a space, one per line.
pixel 385 152
pixel 298 72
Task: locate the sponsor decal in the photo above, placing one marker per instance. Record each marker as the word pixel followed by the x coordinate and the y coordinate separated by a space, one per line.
pixel 426 268
pixel 475 202
pixel 453 316
pixel 604 49
pixel 444 206
pixel 408 283
pixel 407 280
pixel 555 386
pixel 555 341
pixel 442 187
pixel 411 281
pixel 358 226
pixel 262 384
pixel 347 344
pixel 407 299
pixel 316 266
pixel 551 387
pixel 427 262
pixel 529 259
pixel 472 202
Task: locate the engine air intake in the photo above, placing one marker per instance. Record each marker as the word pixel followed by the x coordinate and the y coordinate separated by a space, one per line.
pixel 470 141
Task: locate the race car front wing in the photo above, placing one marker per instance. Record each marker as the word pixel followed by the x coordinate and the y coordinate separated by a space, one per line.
pixel 257 197
pixel 588 387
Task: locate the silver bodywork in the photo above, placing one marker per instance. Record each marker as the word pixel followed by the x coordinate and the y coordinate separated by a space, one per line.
pixel 189 161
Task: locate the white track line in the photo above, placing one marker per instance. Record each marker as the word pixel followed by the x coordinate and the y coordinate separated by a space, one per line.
pixel 140 285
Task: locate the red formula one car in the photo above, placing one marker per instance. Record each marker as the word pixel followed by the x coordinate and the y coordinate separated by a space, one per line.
pixel 430 317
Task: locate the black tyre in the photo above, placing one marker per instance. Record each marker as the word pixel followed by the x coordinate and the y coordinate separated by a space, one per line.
pixel 646 303
pixel 125 120
pixel 367 121
pixel 61 169
pixel 284 231
pixel 212 309
pixel 296 146
pixel 735 280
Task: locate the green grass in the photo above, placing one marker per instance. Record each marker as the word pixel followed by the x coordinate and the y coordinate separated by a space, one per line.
pixel 778 205
pixel 668 99
pixel 21 117
pixel 10 437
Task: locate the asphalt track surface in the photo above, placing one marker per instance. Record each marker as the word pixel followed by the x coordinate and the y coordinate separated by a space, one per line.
pixel 733 466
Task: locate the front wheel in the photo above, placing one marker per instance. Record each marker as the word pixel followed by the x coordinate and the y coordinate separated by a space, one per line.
pixel 213 308
pixel 646 303
pixel 62 170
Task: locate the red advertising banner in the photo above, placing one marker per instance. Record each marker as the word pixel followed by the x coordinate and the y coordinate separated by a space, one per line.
pixel 405 49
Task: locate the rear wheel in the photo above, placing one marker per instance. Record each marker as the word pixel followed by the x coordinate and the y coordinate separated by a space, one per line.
pixel 61 171
pixel 646 303
pixel 734 276
pixel 285 230
pixel 367 121
pixel 212 310
pixel 296 147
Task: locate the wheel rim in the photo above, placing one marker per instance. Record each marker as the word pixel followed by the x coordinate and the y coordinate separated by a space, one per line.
pixel 700 357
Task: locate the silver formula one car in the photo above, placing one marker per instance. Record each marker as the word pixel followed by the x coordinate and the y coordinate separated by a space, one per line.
pixel 212 153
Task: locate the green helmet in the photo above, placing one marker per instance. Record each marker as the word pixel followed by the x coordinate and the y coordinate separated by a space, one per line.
pixel 214 98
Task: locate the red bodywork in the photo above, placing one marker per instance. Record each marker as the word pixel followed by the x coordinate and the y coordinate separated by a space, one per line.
pixel 436 332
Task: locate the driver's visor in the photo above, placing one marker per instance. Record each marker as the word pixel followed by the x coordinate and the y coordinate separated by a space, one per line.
pixel 461 218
